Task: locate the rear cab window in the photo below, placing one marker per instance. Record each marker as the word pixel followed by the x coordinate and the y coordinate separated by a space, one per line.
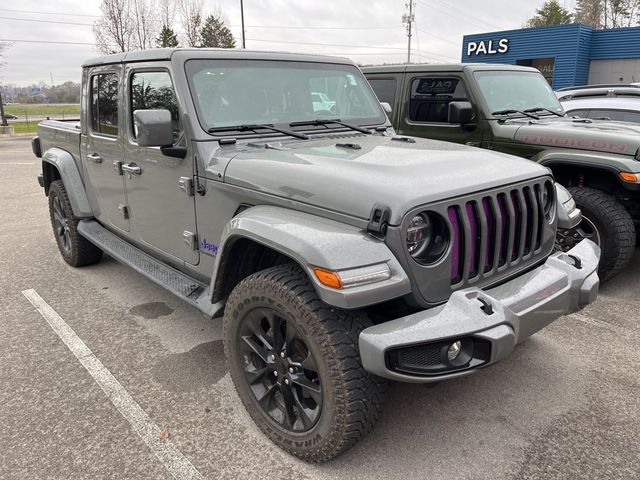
pixel 431 96
pixel 104 104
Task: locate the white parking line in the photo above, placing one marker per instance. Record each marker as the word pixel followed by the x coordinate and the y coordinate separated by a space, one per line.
pixel 173 460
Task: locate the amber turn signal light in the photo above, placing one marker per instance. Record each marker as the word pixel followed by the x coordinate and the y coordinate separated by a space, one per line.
pixel 327 278
pixel 629 177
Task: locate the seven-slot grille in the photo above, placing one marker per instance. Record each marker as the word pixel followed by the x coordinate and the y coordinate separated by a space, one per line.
pixel 494 232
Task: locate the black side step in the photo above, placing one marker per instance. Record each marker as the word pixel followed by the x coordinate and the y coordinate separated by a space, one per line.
pixel 181 285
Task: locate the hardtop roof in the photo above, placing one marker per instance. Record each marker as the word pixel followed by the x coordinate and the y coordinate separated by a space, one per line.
pixel 160 54
pixel 443 67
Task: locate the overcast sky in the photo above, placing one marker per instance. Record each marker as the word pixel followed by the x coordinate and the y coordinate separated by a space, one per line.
pixel 368 31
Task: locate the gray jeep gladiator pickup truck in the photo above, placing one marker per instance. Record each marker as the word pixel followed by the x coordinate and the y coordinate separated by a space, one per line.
pixel 513 109
pixel 340 254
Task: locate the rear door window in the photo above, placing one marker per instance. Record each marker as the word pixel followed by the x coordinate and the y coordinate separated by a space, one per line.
pixel 431 96
pixel 385 89
pixel 104 104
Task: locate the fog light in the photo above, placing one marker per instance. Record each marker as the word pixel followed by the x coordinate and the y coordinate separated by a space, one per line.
pixel 454 350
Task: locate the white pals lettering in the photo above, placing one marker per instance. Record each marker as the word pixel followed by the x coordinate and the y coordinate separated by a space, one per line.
pixel 488 47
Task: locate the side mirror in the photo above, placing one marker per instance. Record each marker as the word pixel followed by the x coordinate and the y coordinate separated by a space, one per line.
pixel 386 107
pixel 460 113
pixel 153 128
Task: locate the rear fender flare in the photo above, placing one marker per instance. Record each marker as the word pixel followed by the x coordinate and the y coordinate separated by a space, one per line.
pixel 66 166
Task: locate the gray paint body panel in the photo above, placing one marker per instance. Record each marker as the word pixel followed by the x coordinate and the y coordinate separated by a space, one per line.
pixel 313 241
pixel 521 307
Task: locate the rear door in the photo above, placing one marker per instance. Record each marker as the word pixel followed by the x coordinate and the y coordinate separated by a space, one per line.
pixel 388 88
pixel 162 213
pixel 425 108
pixel 101 146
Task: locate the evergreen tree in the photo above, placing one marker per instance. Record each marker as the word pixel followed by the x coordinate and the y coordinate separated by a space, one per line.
pixel 167 38
pixel 215 33
pixel 551 13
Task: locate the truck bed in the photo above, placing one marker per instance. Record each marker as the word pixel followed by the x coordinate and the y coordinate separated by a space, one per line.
pixel 62 134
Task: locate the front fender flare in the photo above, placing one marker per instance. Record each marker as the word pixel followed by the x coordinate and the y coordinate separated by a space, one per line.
pixel 588 159
pixel 312 242
pixel 64 162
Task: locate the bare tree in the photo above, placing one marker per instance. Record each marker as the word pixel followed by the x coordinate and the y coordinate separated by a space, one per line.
pixel 114 29
pixel 191 16
pixel 167 9
pixel 145 23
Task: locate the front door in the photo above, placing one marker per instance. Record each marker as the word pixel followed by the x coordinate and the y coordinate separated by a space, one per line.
pixel 102 148
pixel 426 109
pixel 162 213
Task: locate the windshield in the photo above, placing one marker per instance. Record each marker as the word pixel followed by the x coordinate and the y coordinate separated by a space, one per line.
pixel 232 93
pixel 516 91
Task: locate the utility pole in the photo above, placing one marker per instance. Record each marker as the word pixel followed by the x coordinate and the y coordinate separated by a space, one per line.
pixel 244 45
pixel 408 19
pixel 3 119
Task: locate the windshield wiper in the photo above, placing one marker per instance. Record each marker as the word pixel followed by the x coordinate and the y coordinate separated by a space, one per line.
pixel 258 126
pixel 542 109
pixel 511 112
pixel 337 121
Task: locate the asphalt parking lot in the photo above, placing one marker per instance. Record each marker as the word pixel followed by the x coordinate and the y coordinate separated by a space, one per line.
pixel 565 405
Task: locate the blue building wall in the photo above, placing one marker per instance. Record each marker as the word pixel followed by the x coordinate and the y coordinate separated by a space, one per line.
pixel 573 46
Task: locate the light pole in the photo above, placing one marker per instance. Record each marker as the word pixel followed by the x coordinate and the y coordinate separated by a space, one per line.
pixel 244 45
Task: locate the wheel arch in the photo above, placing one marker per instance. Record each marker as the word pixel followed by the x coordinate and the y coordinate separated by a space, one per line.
pixel 264 236
pixel 58 164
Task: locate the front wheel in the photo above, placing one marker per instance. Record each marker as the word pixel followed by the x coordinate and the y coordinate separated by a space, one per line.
pixel 607 223
pixel 296 366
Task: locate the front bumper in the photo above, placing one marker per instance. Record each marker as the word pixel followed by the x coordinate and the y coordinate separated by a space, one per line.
pixel 488 323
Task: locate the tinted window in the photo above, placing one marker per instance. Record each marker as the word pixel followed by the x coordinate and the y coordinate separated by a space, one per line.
pixel 617 115
pixel 104 103
pixel 154 90
pixel 385 89
pixel 430 98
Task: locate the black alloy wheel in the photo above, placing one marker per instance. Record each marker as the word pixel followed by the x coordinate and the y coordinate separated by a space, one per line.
pixel 280 370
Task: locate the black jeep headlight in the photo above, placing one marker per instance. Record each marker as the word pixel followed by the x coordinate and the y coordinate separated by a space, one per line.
pixel 427 237
pixel 548 201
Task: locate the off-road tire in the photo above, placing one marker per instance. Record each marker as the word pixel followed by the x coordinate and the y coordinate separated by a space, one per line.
pixel 80 251
pixel 615 226
pixel 352 398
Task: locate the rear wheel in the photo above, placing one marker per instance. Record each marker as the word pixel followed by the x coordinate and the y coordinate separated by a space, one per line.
pixel 74 248
pixel 607 223
pixel 296 366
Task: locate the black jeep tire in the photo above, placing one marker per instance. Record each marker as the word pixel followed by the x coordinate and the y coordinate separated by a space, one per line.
pixel 347 401
pixel 615 229
pixel 74 248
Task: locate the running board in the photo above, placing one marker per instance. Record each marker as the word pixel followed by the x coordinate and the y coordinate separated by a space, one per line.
pixel 178 283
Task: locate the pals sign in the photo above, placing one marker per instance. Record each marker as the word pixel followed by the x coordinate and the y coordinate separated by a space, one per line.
pixel 488 48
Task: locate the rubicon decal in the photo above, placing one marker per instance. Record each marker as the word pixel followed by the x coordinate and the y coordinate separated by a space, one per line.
pixel 576 143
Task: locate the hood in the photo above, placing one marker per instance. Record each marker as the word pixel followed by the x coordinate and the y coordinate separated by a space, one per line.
pixel 400 175
pixel 596 135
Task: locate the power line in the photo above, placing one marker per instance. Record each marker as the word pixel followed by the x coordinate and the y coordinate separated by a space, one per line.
pixel 327 44
pixel 48 13
pixel 47 41
pixel 45 21
pixel 315 27
pixel 465 14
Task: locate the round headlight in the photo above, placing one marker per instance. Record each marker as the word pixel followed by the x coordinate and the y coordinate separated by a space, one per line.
pixel 427 237
pixel 548 201
pixel 418 234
